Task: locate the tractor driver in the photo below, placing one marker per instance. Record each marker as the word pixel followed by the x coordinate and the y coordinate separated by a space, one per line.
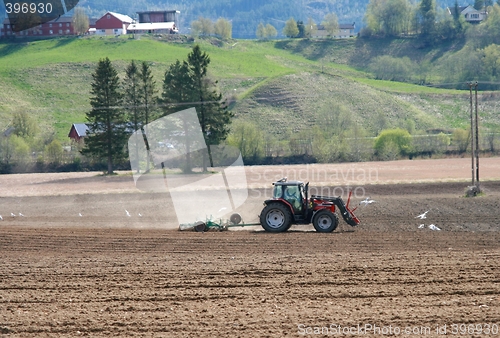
pixel 292 196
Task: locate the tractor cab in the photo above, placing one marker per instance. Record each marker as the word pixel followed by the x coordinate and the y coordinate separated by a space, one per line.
pixel 293 192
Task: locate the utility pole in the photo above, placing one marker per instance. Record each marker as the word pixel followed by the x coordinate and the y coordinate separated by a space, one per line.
pixel 477 144
pixel 471 132
pixel 474 135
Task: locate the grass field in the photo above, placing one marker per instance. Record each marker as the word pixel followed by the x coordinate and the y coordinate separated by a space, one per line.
pixel 51 79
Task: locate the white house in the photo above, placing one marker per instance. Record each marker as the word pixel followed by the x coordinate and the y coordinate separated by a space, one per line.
pixel 346 30
pixel 470 14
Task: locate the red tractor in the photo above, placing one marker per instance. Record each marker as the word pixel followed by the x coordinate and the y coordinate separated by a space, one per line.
pixel 291 205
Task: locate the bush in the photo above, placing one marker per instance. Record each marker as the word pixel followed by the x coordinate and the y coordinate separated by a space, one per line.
pixel 393 142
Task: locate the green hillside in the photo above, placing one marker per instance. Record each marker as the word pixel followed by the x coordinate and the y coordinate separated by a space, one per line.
pixel 281 86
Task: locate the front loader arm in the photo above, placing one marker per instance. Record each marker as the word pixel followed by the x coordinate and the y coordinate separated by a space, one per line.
pixel 345 211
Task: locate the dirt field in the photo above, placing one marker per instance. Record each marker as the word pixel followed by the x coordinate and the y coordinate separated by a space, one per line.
pixel 107 274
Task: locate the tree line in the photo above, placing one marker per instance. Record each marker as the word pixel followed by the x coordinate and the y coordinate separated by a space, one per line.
pixel 122 107
pixel 352 144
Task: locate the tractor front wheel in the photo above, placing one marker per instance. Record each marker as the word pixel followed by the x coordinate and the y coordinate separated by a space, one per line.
pixel 325 221
pixel 276 217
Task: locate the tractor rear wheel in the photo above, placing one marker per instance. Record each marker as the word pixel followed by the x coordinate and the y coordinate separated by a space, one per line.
pixel 325 221
pixel 276 217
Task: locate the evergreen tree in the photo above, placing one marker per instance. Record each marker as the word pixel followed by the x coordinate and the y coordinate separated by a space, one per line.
pixel 302 29
pixel 106 120
pixel 187 84
pixel 212 112
pixel 456 12
pixel 427 14
pixel 147 94
pixel 132 99
pixel 178 90
pixel 478 4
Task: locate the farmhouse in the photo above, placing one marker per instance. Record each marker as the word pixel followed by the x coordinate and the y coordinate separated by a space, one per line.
pixel 470 14
pixel 346 30
pixel 78 131
pixel 113 24
pixel 62 26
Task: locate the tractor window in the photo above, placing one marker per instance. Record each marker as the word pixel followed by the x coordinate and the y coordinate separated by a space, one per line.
pixel 278 190
pixel 293 196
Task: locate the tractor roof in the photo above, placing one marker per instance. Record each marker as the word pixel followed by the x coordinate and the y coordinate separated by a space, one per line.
pixel 280 182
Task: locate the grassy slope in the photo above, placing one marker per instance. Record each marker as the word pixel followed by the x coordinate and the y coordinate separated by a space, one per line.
pixel 51 79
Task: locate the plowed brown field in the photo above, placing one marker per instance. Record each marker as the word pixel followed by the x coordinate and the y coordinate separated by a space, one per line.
pixel 107 274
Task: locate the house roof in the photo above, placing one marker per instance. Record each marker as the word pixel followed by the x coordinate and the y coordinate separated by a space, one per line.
pixel 341 26
pixel 122 17
pixel 157 12
pixel 151 26
pixel 346 25
pixel 80 128
pixel 451 10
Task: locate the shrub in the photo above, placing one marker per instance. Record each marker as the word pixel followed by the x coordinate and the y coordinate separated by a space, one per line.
pixel 393 142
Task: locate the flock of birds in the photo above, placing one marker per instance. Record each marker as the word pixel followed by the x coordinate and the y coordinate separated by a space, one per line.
pixel 12 215
pixel 433 227
pixel 79 214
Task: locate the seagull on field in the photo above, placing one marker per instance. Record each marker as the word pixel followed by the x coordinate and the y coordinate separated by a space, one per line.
pixel 433 227
pixel 140 215
pixel 421 226
pixel 1 218
pixel 128 213
pixel 21 215
pixel 366 201
pixel 423 216
pixel 12 214
pixel 80 214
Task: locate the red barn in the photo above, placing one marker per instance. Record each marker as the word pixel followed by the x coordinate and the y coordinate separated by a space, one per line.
pixel 113 24
pixel 78 131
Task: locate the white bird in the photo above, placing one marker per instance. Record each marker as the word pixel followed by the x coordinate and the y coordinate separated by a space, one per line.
pixel 12 214
pixel 423 216
pixel 433 227
pixel 140 215
pixel 366 201
pixel 80 214
pixel 128 213
pixel 21 215
pixel 1 218
pixel 421 226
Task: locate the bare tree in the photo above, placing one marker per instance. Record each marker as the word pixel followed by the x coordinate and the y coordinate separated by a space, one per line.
pixel 80 21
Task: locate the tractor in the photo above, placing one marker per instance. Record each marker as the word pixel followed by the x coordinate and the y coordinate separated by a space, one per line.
pixel 291 205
